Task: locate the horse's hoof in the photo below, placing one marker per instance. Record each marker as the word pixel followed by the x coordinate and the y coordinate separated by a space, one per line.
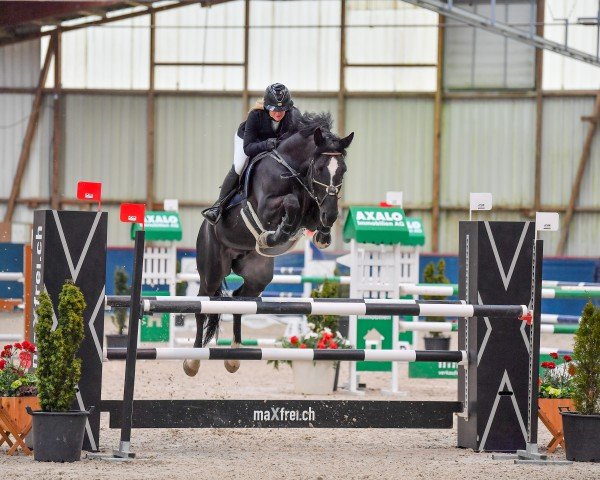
pixel 232 366
pixel 191 367
pixel 321 240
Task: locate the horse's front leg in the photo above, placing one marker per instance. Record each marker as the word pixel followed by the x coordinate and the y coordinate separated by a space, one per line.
pixel 289 224
pixel 322 237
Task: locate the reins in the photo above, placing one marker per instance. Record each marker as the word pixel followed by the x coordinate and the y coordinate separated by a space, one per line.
pixel 330 190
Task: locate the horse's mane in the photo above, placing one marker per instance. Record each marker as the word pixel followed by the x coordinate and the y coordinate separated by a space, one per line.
pixel 308 122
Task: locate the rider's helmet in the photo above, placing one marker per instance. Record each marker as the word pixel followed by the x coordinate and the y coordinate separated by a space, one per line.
pixel 277 98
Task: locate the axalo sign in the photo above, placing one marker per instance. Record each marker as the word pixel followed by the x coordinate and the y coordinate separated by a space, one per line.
pixel 380 218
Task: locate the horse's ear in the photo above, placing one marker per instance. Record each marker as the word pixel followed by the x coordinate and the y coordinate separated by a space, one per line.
pixel 318 135
pixel 345 142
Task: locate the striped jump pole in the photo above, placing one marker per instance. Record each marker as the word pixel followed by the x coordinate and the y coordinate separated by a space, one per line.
pixel 580 285
pixel 226 342
pixel 291 354
pixel 11 277
pixel 549 318
pixel 448 327
pixel 332 307
pixel 277 278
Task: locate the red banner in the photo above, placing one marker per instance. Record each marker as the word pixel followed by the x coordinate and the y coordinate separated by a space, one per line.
pixel 89 191
pixel 133 213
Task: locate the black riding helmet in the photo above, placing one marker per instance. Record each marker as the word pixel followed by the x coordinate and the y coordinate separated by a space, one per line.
pixel 277 98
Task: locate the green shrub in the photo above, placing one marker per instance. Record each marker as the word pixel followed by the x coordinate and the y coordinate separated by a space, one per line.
pixel 430 275
pixel 119 318
pixel 58 370
pixel 586 379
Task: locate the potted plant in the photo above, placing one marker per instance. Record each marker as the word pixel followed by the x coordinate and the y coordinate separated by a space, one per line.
pixel 431 274
pixel 312 377
pixel 57 430
pixel 120 315
pixel 555 391
pixel 582 427
pixel 18 390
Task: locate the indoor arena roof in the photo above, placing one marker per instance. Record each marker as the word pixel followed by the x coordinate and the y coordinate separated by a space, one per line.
pixel 23 20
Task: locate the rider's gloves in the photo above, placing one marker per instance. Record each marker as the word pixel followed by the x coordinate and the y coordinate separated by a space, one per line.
pixel 271 143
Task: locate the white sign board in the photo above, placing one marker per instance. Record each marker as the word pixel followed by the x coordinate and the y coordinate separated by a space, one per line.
pixel 393 198
pixel 480 201
pixel 171 205
pixel 546 221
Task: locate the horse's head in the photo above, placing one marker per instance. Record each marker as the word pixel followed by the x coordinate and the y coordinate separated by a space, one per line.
pixel 326 173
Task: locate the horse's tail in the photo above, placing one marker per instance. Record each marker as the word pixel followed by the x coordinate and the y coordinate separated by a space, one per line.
pixel 214 319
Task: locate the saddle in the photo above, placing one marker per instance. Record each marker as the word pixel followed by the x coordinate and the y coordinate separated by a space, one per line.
pixel 242 192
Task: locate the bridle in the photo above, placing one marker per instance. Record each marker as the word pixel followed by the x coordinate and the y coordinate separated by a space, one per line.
pixel 309 185
pixel 331 189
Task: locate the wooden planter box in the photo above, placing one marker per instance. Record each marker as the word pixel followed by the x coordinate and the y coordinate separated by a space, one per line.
pixel 549 413
pixel 15 422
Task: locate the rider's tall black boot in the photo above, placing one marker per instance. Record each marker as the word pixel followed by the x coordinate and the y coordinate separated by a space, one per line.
pixel 213 214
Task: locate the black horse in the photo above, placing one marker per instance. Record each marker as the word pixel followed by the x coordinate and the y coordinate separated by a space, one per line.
pixel 291 189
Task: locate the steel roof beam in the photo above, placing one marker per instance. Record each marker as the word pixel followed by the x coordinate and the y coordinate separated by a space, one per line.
pixel 491 25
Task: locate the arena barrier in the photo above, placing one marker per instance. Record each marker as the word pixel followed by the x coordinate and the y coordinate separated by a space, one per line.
pixel 24 277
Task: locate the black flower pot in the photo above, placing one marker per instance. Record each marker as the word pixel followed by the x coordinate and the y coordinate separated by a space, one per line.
pixel 116 341
pixel 437 343
pixel 582 436
pixel 58 436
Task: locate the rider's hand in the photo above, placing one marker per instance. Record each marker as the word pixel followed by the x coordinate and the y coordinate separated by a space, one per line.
pixel 271 143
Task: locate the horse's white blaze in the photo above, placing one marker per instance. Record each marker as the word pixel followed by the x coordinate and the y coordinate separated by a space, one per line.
pixel 332 167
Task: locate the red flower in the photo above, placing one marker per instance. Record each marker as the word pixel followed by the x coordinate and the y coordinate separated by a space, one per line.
pixel 294 340
pixel 303 345
pixel 327 336
pixel 321 344
pixel 554 355
pixel 333 345
pixel 5 353
pixel 567 358
pixel 25 358
pixel 7 347
pixel 2 364
pixel 18 345
pixel 551 365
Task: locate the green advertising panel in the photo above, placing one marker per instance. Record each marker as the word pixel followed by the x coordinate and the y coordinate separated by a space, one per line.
pixel 155 328
pixel 376 225
pixel 375 333
pixel 446 369
pixel 160 226
pixel 416 232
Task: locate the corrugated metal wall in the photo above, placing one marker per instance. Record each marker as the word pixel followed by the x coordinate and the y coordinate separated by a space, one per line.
pixel 20 64
pixel 392 150
pixel 488 146
pixel 15 110
pixel 476 59
pixel 563 137
pixel 105 141
pixel 194 145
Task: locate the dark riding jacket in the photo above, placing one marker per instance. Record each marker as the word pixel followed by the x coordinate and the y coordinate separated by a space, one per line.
pixel 258 128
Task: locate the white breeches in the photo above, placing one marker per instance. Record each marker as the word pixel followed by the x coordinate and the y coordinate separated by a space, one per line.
pixel 239 156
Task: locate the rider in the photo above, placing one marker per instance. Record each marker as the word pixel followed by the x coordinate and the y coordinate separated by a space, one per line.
pixel 267 122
